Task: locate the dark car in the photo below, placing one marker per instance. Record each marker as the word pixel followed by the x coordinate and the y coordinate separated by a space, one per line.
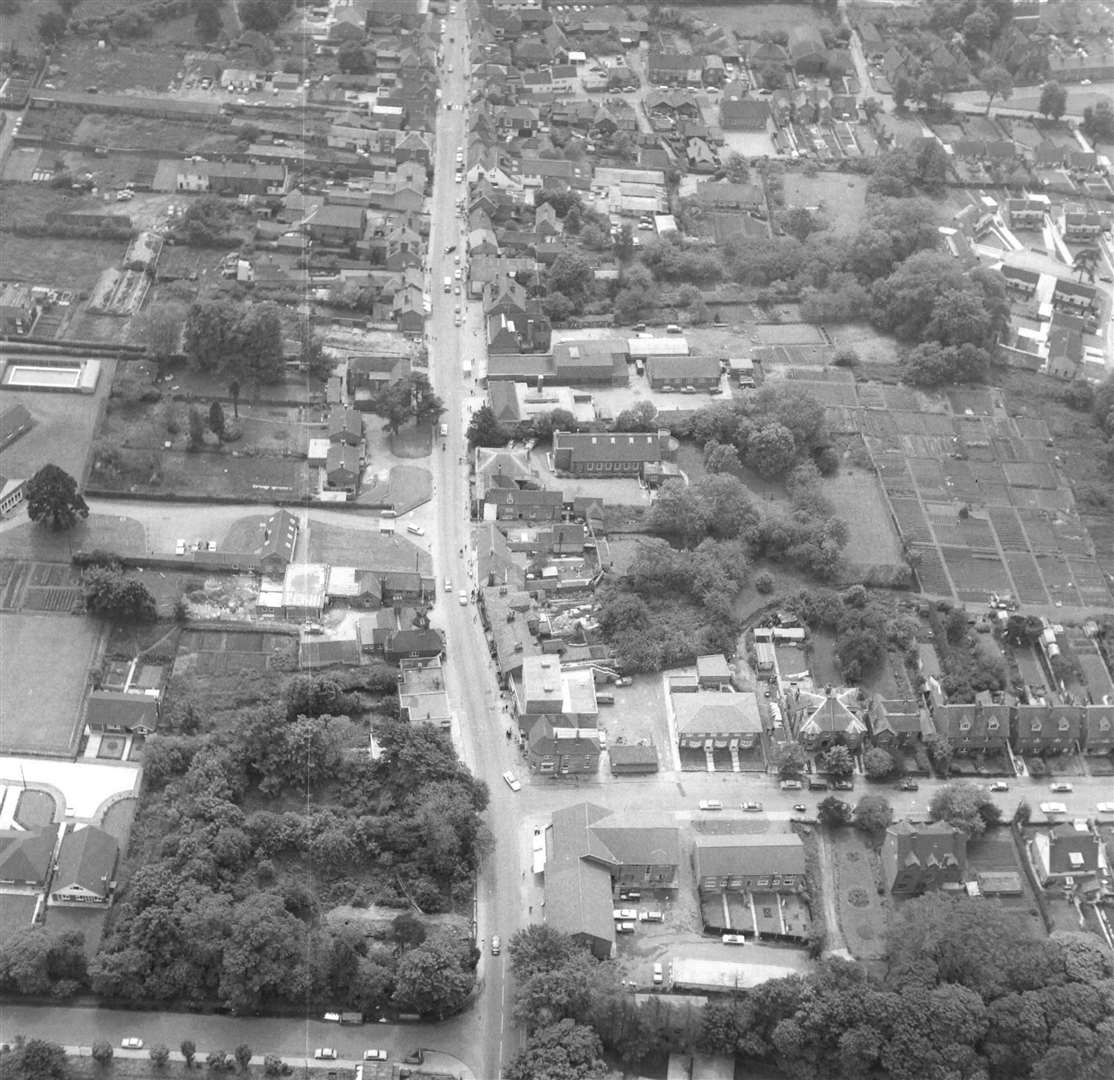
pixel 844 785
pixel 908 785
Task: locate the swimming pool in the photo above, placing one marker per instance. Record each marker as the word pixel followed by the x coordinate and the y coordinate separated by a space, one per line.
pixel 31 375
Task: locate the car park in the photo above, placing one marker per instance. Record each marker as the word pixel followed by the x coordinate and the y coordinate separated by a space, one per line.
pixel 711 804
pixel 512 781
pixel 132 1043
pixel 1060 788
pixel 325 1053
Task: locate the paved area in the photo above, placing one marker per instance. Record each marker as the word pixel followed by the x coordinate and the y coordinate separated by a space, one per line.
pixel 86 786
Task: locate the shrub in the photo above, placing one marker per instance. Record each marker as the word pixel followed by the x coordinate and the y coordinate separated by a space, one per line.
pixel 764 582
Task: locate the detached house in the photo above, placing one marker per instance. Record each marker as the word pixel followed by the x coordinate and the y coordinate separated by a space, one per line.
pixel 86 867
pixel 552 750
pixel 337 225
pixel 346 426
pixel 26 856
pixel 923 857
pixel 807 51
pixel 898 723
pixel 1066 854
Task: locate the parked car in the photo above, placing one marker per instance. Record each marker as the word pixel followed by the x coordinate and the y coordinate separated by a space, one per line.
pixel 652 916
pixel 448 584
pixel 1060 788
pixel 711 804
pixel 733 939
pixel 791 785
pixel 462 596
pixel 1105 807
pixel 753 807
pixel 624 928
pixel 659 975
pixel 325 1053
pixel 999 785
pixel 512 781
pixel 1053 808
pixel 629 894
pixel 908 785
pixel 800 807
pixel 496 945
pixel 624 680
pixel 132 1043
pixel 375 1055
pixel 622 913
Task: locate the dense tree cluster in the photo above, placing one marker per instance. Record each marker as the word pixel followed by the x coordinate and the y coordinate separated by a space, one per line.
pixel 40 962
pixel 243 341
pixel 408 399
pixel 108 591
pixel 226 901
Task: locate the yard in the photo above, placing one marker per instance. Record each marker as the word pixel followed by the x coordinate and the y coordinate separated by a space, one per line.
pixel 340 545
pixel 840 198
pixel 121 68
pixel 46 661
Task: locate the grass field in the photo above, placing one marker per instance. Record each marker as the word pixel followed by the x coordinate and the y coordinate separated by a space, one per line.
pixel 15 913
pixel 839 197
pixel 45 660
pixel 753 20
pixel 60 262
pixel 872 539
pixel 99 531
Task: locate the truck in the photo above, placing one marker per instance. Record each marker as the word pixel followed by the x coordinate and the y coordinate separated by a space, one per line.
pixel 448 283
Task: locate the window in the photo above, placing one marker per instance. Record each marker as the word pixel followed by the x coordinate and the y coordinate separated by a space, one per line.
pixel 964 725
pixel 992 725
pixel 767 913
pixel 1063 725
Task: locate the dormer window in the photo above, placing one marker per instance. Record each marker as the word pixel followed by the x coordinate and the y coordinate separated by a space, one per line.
pixel 964 725
pixel 1035 725
pixel 1063 725
pixel 992 725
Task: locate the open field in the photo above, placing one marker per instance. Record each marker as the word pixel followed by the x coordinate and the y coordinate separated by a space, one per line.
pixel 46 661
pixel 60 262
pixel 103 532
pixel 122 68
pixel 872 544
pixel 840 198
pixel 753 20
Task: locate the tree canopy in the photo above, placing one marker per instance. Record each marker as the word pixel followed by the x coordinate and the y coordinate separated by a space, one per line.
pixel 53 499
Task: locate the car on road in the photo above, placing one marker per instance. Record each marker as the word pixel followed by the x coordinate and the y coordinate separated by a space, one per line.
pixel 999 785
pixel 800 807
pixel 512 781
pixel 132 1043
pixel 462 596
pixel 1053 808
pixel 415 530
pixel 456 290
pixel 1105 807
pixel 496 945
pixel 376 1055
pixel 450 248
pixel 753 807
pixel 324 1053
pixel 180 547
pixel 1060 788
pixel 711 804
pixel 458 320
pixel 623 913
pixel 733 939
pixel 908 785
pixel 624 680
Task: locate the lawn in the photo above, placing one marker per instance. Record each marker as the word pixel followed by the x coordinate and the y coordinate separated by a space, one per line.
pixel 36 808
pixel 123 67
pixel 754 20
pixel 88 921
pixel 873 551
pixel 56 261
pixel 872 346
pixel 45 660
pixel 863 914
pixel 839 197
pixel 99 532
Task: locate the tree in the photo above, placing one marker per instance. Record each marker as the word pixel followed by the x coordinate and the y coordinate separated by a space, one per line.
pixel 967 807
pixel 36 1059
pixel 1053 101
pixel 53 499
pixel 435 978
pixel 878 764
pixel 210 332
pixel 678 513
pixel 572 275
pixel 109 593
pixel 719 458
pixel 903 90
pixel 1098 122
pixel 196 427
pixel 207 22
pixel 189 1051
pixel 771 450
pixel 834 812
pixel 263 15
pixel 1086 261
pixel 872 107
pixel 562 1051
pixel 484 429
pixel 217 1060
pixel 161 330
pixel 256 345
pixel 838 763
pixel 272 1065
pixel 52 27
pixel 978 28
pixel 873 814
pixel 790 759
pixel 159 1055
pixel 243 1054
pixel 207 222
pixel 933 364
pixel 102 1052
pixel 216 420
pixel 351 58
pixel 411 398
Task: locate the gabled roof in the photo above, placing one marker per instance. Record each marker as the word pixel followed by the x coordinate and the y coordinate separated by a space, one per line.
pixel 934 844
pixel 280 536
pixel 773 854
pixel 345 422
pixel 826 714
pixel 109 708
pixel 87 859
pixel 26 856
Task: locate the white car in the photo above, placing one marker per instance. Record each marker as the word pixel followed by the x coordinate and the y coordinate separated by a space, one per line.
pixel 1105 807
pixel 733 939
pixel 325 1053
pixel 496 945
pixel 462 596
pixel 375 1055
pixel 1060 788
pixel 448 584
pixel 512 781
pixel 132 1043
pixel 1053 808
pixel 711 804
pixel 621 913
pixel 180 547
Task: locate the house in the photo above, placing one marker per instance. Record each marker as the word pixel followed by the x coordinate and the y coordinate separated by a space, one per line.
pixel 518 332
pixel 677 372
pixel 664 68
pixel 370 373
pixel 744 114
pixel 280 535
pixel 18 309
pixel 589 853
pixel 14 421
pixel 917 858
pixel 713 671
pixel 523 504
pixel 1021 282
pixel 231 178
pixel 773 862
pixel 342 468
pixel 26 856
pixel 1098 729
pixel 710 718
pixel 346 426
pixel 608 455
pixel 822 720
pixel 973 728
pixel 86 867
pixel 552 750
pixel 12 494
pixel 415 643
pixel 1081 226
pixel 111 711
pixel 1046 729
pixel 1075 297
pixel 1067 853
pixel 898 723
pixel 807 51
pixel 1027 213
pixel 337 225
pixel 546 690
pixel 632 759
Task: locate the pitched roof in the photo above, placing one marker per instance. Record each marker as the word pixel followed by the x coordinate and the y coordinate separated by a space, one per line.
pixel 280 536
pixel 934 844
pixel 770 854
pixel 1072 850
pixel 25 856
pixel 13 420
pixel 716 712
pixel 87 859
pixel 107 708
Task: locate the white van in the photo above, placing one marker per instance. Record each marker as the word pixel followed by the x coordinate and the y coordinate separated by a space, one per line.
pixel 415 530
pixel 444 430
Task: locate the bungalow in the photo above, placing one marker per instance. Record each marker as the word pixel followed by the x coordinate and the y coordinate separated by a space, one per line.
pixel 1046 729
pixel 682 372
pixel 773 862
pixel 920 857
pixel 280 535
pixel 552 750
pixel 346 426
pixel 342 468
pixel 605 455
pixel 112 711
pixel 26 856
pixel 1067 853
pixel 712 718
pixel 86 866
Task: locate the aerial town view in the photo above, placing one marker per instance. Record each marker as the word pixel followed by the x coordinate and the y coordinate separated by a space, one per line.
pixel 548 541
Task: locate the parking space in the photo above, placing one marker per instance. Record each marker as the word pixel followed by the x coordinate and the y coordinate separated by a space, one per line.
pixel 638 716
